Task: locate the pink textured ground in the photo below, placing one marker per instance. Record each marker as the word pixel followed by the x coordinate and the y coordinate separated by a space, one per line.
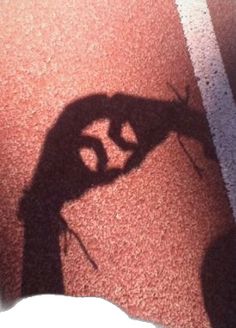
pixel 147 230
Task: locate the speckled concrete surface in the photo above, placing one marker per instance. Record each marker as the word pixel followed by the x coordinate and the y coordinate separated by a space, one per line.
pixel 223 16
pixel 146 229
pixel 213 83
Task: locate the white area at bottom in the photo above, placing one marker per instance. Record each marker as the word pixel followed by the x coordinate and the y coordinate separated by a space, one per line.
pixel 65 311
pixel 214 86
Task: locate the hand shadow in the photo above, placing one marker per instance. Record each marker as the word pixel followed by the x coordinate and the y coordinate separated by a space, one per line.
pixel 61 174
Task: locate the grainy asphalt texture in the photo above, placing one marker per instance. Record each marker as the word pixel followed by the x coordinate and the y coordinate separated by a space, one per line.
pixel 140 226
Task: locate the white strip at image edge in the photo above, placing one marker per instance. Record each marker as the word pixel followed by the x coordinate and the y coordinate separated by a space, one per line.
pixel 214 86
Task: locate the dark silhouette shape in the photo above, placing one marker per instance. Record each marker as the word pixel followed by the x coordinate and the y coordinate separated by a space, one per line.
pixel 61 175
pixel 218 278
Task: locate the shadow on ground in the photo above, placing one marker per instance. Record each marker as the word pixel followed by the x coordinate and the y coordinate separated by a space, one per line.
pixel 61 174
pixel 219 281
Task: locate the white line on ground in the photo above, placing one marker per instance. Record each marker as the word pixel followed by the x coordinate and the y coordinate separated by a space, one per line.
pixel 214 86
